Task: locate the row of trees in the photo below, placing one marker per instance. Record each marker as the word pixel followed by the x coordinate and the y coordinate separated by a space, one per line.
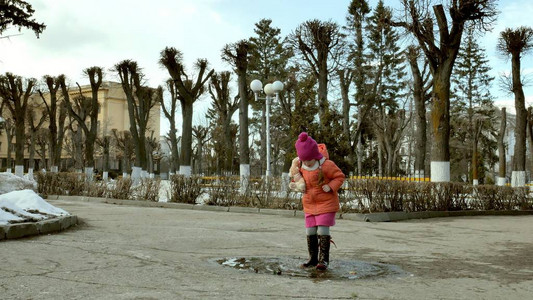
pixel 364 89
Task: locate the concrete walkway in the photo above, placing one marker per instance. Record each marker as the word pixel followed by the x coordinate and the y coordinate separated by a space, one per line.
pixel 128 252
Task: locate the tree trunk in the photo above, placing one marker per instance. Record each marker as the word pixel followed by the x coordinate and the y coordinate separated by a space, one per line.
pixel 502 160
pixel 420 115
pixel 175 159
pixel 440 121
pixel 186 138
pixel 475 177
pixel 519 161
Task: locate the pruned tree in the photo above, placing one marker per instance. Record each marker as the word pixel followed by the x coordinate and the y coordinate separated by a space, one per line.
pixel 169 111
pixel 34 125
pixel 320 45
pixel 515 43
pixel 223 108
pixel 104 142
pixel 141 99
pixel 18 13
pixel 202 136
pixel 15 92
pixel 56 111
pixel 237 55
pixel 125 147
pixel 9 128
pixel 91 106
pixel 42 140
pixel 189 90
pixel 441 51
pixel 502 161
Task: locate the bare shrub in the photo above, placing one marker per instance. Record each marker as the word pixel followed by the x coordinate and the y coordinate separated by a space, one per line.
pixel 96 189
pixel 72 184
pixel 418 196
pixel 122 189
pixel 148 189
pixel 185 189
pixel 223 192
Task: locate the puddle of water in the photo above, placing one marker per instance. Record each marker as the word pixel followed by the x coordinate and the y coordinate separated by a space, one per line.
pixel 291 266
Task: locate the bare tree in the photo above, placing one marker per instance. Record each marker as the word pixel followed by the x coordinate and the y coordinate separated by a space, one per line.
pixel 501 149
pixel 124 144
pixel 91 104
pixel 223 109
pixel 441 52
pixel 421 87
pixel 104 142
pixel 170 113
pixel 34 126
pixel 141 99
pixel 202 136
pixel 56 119
pixel 9 128
pixel 320 44
pixel 42 140
pixel 237 55
pixel 514 43
pixel 189 90
pixel 15 92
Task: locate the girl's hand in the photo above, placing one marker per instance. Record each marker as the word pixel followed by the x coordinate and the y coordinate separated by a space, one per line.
pixel 326 188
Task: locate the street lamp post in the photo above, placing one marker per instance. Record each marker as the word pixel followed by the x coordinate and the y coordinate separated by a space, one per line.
pixel 269 90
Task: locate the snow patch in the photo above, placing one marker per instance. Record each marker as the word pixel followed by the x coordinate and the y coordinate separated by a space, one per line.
pixel 26 206
pixel 10 182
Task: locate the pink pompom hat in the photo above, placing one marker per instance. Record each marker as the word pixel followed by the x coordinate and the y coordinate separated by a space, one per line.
pixel 307 148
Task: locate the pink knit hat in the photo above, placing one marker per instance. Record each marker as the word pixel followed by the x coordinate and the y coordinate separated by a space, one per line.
pixel 307 148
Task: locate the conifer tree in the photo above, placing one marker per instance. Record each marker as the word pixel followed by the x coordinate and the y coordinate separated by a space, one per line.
pixel 471 90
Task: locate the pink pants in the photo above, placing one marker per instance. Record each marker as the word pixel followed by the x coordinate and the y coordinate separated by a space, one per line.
pixel 327 219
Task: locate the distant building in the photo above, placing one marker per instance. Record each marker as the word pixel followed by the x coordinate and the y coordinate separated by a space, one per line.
pixel 113 115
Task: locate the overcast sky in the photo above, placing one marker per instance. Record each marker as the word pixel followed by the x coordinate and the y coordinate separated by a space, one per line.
pixel 81 34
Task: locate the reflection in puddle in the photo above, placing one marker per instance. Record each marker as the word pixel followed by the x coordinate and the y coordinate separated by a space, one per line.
pixel 290 266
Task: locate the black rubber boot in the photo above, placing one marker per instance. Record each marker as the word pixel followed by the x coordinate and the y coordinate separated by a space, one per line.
pixel 312 247
pixel 323 256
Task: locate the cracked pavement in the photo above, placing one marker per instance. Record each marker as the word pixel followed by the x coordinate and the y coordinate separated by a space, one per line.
pixel 128 252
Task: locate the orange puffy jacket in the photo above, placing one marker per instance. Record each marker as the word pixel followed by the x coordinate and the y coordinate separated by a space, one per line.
pixel 315 201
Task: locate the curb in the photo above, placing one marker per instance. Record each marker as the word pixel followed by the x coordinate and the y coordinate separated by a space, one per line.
pixel 20 230
pixel 360 217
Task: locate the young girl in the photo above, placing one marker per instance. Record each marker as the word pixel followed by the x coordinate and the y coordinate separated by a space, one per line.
pixel 320 200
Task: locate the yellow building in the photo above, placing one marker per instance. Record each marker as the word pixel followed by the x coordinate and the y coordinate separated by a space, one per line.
pixel 113 114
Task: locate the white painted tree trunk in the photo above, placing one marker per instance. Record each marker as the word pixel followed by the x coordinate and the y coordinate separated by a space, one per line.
pixel 501 181
pixel 475 182
pixel 30 173
pixel 186 171
pixel 136 175
pixel 8 170
pixel 89 172
pixel 419 174
pixel 124 174
pixel 285 180
pixel 440 171
pixel 144 174
pixel 19 171
pixel 105 175
pixel 244 170
pixel 518 178
pixel 54 169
